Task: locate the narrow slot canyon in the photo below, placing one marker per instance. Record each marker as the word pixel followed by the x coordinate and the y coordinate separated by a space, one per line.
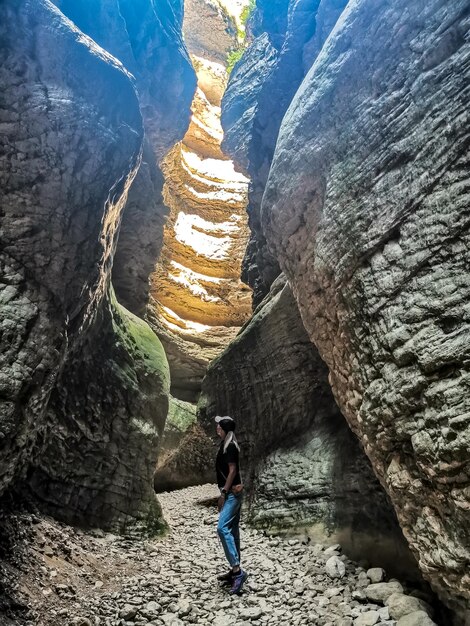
pixel 234 214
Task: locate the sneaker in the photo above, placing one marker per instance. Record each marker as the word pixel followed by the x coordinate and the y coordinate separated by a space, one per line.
pixel 237 582
pixel 226 579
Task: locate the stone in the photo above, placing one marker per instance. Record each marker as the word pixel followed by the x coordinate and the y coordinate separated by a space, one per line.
pixel 369 618
pixel 335 568
pixel 376 574
pixel 57 258
pixel 400 605
pixel 417 618
pixel 380 592
pixel 295 484
pixel 73 248
pixel 289 35
pixel 128 612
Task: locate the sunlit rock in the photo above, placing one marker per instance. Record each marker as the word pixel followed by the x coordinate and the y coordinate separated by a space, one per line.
pixel 198 301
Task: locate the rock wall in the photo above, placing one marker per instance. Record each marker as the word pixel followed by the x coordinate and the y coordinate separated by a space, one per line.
pixel 88 399
pixel 366 210
pixel 146 37
pixel 303 466
pixel 73 131
pixel 106 420
pixel 261 87
pixel 197 301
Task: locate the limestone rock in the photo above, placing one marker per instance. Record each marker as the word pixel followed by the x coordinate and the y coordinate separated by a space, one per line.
pixel 380 592
pixel 146 38
pixel 72 133
pixel 335 568
pixel 198 302
pixel 375 574
pixel 365 211
pixel 186 454
pixel 369 618
pixel 260 89
pixel 191 462
pixel 211 32
pixel 106 419
pixel 307 469
pixel 418 618
pixel 400 605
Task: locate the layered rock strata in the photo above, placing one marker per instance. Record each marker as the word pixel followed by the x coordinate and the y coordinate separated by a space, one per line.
pixel 289 35
pixel 198 302
pixel 303 466
pixel 89 395
pixel 366 210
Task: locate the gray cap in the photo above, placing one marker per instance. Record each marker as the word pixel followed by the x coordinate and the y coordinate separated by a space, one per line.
pixel 220 418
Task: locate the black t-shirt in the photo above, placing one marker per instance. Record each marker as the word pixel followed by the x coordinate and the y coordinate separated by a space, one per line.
pixel 221 464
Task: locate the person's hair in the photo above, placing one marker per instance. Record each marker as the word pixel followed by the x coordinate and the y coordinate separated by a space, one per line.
pixel 227 425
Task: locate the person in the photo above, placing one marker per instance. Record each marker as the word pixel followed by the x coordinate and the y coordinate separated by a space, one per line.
pixel 230 500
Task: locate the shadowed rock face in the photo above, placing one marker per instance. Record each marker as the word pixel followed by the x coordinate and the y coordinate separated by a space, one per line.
pixel 107 415
pixel 146 37
pixel 366 209
pixel 73 133
pixel 261 87
pixel 302 464
pixel 91 382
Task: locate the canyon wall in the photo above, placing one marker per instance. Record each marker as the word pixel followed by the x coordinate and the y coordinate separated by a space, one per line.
pixel 85 384
pixel 289 35
pixel 272 377
pixel 303 467
pixel 197 300
pixel 146 37
pixel 366 210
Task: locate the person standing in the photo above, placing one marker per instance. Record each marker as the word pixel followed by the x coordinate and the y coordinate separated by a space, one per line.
pixel 227 467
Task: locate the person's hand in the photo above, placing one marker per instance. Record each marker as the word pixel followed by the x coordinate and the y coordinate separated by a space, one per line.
pixel 220 502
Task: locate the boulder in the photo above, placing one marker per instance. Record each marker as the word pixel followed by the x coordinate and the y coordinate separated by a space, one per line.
pixel 335 568
pixel 417 618
pixel 400 605
pixel 380 592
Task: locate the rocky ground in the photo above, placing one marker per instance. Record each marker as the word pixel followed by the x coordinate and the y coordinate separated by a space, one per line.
pixel 56 575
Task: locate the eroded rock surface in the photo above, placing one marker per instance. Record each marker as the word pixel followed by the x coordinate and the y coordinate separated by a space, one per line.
pixel 91 386
pixel 72 130
pixel 303 465
pixel 106 420
pixel 261 87
pixel 367 211
pixel 198 301
pixel 186 454
pixel 146 38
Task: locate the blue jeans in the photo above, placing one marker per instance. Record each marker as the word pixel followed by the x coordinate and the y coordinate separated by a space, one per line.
pixel 228 528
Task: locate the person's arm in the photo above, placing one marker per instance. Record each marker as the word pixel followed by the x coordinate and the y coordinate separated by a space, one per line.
pixel 232 470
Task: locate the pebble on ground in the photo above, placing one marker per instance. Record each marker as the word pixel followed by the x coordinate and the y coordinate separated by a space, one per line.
pixel 173 581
